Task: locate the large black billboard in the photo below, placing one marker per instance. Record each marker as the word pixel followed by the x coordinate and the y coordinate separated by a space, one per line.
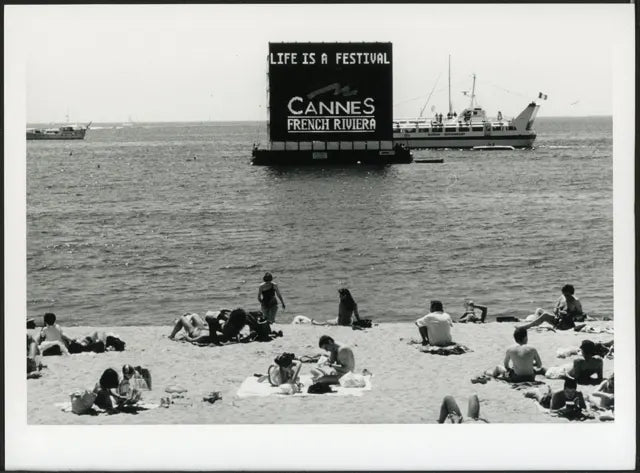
pixel 330 91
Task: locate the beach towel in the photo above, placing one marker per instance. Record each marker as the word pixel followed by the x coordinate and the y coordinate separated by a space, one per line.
pixel 252 387
pixel 301 319
pixel 455 349
pixel 558 372
pixel 592 329
pixel 95 410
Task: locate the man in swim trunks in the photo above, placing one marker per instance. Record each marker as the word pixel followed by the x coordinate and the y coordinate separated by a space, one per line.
pixel 587 365
pixel 341 361
pixel 521 362
pixel 568 310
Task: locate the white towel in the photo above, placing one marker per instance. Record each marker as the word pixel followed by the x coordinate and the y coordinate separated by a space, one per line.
pixel 252 387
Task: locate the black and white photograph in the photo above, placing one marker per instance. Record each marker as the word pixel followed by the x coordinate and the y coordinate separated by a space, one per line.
pixel 268 236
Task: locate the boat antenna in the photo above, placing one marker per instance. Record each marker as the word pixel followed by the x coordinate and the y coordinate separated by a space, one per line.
pixel 473 91
pixel 429 97
pixel 450 107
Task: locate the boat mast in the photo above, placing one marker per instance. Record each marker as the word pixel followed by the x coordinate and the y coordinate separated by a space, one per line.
pixel 450 107
pixel 473 91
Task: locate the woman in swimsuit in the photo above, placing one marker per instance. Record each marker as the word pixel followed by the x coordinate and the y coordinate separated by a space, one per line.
pixel 347 307
pixel 267 293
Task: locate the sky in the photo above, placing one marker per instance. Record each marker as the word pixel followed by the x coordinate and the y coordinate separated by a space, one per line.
pixel 208 62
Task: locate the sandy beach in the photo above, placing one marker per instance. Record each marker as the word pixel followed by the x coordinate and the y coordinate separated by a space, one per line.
pixel 408 385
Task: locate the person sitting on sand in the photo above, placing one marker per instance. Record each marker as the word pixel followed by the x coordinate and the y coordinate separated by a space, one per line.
pixel 569 399
pixel 347 308
pixel 521 362
pixel 603 396
pixel 587 365
pixel 450 410
pixel 132 383
pixel 192 324
pixel 568 310
pixel 341 361
pixel 107 396
pixel 285 370
pixel 435 327
pixel 33 355
pixel 225 328
pixel 470 314
pixel 267 292
pixel 51 340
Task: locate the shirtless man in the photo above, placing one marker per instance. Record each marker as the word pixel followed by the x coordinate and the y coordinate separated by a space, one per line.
pixel 587 365
pixel 525 361
pixel 341 361
pixel 568 310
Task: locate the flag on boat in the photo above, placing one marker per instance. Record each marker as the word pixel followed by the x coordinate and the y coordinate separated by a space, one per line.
pixel 542 96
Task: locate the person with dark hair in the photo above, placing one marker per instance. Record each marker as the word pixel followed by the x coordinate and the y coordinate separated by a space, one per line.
pixel 435 327
pixel 347 308
pixel 568 310
pixel 449 410
pixel 603 396
pixel 107 397
pixel 228 327
pixel 97 342
pixel 285 370
pixel 587 365
pixel 470 314
pixel 51 340
pixel 521 361
pixel 267 292
pixel 341 361
pixel 569 398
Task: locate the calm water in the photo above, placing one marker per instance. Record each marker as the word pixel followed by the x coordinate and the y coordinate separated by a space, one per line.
pixel 128 231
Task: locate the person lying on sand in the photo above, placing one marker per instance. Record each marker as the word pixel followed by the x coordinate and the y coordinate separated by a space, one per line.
pixel 435 327
pixel 587 365
pixel 470 314
pixel 603 396
pixel 568 310
pixel 33 356
pixel 97 342
pixel 341 361
pixel 450 410
pixel 521 362
pixel 51 340
pixel 192 324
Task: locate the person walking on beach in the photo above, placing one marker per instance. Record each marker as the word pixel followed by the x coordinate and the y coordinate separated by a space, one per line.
pixel 521 361
pixel 347 308
pixel 267 293
pixel 568 310
pixel 470 314
pixel 341 361
pixel 435 327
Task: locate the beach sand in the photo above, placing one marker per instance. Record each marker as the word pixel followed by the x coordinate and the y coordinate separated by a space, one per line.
pixel 408 385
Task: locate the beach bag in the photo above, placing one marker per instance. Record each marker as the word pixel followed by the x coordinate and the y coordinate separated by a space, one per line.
pixel 320 388
pixel 82 401
pixel 352 380
pixel 146 376
pixel 364 323
pixel 259 325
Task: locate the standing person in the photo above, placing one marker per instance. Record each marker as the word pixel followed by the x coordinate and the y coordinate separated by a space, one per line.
pixel 347 307
pixel 568 310
pixel 267 293
pixel 521 361
pixel 470 312
pixel 435 327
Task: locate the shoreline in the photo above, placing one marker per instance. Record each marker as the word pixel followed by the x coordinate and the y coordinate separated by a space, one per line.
pixel 408 385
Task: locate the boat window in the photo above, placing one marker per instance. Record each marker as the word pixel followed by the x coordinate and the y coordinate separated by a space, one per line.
pixel 477 128
pixel 449 128
pixel 436 129
pixel 497 128
pixel 463 128
pixel 511 127
pixel 423 129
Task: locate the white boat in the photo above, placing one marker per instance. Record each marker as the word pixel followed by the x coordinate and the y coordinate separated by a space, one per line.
pixel 493 148
pixel 469 129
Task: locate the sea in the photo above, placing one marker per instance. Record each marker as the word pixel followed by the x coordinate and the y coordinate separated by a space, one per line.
pixel 138 224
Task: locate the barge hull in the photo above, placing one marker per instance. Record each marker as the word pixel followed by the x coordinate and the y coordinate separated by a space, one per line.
pixel 264 157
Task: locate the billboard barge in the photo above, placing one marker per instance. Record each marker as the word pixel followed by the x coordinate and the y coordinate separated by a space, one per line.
pixel 397 154
pixel 330 103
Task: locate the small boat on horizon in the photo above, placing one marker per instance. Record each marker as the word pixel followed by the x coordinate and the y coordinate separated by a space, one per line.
pixel 65 132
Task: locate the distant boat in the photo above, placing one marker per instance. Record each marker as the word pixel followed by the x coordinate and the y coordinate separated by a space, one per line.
pixel 65 132
pixel 128 123
pixel 469 129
